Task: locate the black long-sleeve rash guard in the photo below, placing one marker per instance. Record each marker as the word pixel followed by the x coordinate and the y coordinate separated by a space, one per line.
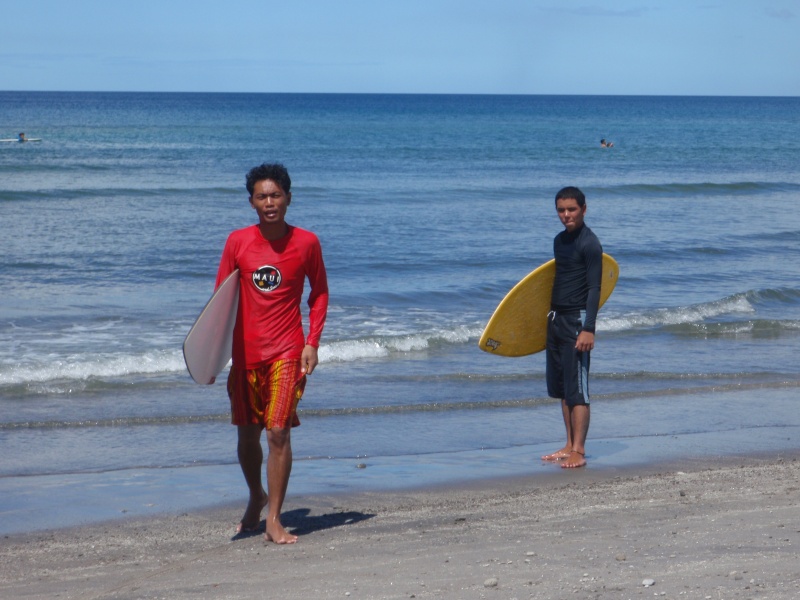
pixel 579 271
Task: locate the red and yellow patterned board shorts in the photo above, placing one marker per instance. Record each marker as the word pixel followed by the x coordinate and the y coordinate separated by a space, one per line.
pixel 267 395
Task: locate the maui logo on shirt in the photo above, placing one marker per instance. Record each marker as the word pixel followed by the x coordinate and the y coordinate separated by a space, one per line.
pixel 266 278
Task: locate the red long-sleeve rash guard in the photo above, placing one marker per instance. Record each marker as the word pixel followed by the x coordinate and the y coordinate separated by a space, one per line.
pixel 272 274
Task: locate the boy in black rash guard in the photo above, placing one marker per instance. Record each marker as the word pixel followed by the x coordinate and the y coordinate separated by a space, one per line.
pixel 571 322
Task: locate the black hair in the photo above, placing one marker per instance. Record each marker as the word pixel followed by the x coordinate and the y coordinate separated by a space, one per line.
pixel 273 171
pixel 571 193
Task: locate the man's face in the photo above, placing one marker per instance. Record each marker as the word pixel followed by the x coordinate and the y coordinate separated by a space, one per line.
pixel 270 202
pixel 570 213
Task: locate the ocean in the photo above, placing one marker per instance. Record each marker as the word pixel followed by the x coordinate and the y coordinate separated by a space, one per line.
pixel 429 209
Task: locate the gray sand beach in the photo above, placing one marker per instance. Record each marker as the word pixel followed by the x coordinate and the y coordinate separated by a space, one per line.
pixel 690 530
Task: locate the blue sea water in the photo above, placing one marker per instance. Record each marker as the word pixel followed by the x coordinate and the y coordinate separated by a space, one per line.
pixel 429 209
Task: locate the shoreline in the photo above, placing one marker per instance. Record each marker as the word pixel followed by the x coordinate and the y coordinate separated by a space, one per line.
pixel 90 498
pixel 727 531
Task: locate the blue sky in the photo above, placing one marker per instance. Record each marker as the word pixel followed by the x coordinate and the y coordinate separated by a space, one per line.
pixel 683 47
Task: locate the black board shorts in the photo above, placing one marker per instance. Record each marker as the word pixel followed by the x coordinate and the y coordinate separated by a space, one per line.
pixel 567 369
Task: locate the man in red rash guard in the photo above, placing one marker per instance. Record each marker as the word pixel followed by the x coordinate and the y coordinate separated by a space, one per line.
pixel 271 355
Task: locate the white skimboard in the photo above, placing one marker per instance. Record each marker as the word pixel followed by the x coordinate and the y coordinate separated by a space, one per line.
pixel 209 343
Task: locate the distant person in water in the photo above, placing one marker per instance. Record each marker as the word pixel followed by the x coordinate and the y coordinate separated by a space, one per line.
pixel 571 322
pixel 22 137
pixel 605 144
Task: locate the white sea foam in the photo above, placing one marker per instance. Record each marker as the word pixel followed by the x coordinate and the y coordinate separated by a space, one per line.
pixel 386 343
pixel 82 367
pixel 85 366
pixel 383 346
pixel 678 315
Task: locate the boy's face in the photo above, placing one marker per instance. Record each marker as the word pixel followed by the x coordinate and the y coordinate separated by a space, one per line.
pixel 570 213
pixel 270 202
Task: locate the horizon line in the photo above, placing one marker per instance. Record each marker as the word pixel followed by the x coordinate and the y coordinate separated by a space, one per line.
pixel 552 94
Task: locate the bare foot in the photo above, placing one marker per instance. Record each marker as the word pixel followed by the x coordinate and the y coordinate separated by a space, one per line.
pixel 276 533
pixel 559 455
pixel 576 459
pixel 252 514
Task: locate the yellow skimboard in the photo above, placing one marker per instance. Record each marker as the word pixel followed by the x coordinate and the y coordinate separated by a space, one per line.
pixel 518 326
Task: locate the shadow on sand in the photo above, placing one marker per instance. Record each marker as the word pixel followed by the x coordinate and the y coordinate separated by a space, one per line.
pixel 299 522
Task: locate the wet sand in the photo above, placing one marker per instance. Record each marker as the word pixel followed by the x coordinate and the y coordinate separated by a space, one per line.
pixel 732 531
